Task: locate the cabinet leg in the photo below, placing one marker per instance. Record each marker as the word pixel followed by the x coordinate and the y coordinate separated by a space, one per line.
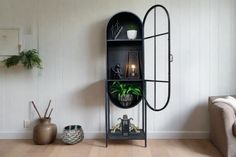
pixel 106 141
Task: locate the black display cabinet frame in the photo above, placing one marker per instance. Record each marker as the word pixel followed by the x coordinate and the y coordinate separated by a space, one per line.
pixel 118 47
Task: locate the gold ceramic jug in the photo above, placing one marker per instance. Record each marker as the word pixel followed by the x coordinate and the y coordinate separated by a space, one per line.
pixel 44 132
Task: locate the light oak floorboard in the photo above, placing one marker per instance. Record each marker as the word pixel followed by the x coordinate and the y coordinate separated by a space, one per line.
pixel 96 148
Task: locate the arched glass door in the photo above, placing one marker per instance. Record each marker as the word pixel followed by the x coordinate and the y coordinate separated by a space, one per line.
pixel 157 58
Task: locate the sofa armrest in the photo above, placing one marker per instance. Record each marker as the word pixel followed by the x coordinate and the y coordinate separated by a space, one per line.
pixel 222 119
pixel 234 129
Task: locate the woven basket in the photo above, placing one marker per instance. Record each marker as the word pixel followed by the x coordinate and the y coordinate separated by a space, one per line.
pixel 72 134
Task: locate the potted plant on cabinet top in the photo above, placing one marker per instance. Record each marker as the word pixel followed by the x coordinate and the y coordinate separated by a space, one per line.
pixel 125 93
pixel 132 32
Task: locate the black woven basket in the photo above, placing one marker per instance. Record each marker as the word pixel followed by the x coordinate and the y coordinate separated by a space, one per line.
pixel 72 134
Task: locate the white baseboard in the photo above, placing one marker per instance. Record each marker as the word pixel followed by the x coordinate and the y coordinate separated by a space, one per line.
pixel 178 135
pixel 15 135
pixel 99 135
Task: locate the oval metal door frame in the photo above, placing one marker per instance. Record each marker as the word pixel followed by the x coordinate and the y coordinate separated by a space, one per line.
pixel 170 59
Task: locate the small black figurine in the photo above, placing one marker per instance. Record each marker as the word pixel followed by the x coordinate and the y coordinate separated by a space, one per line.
pixel 116 72
pixel 125 122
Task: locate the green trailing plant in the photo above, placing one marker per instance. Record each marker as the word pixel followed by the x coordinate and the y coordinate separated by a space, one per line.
pixel 132 27
pixel 122 89
pixel 29 58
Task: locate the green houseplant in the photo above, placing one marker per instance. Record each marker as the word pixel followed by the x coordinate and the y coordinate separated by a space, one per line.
pixel 132 31
pixel 132 27
pixel 125 93
pixel 29 59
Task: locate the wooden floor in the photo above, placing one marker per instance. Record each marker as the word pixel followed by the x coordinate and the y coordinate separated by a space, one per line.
pixel 96 148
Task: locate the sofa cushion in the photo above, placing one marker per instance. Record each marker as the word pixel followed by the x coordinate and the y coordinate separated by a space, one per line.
pixel 231 101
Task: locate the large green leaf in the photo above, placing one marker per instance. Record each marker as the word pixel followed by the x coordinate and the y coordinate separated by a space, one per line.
pixel 122 89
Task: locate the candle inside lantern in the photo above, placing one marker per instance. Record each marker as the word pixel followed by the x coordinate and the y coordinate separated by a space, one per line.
pixel 133 70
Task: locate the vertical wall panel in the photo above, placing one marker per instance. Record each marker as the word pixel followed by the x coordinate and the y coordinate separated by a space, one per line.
pixel 233 46
pixel 224 26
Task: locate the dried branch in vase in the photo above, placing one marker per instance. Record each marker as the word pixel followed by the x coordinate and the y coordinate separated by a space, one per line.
pixel 45 113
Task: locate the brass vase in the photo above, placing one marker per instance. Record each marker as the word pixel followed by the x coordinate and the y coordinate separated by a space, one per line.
pixel 44 132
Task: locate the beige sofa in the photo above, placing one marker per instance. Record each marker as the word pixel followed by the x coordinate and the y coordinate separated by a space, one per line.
pixel 222 127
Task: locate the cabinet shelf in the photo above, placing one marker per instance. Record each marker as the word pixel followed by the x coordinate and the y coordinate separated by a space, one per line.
pixel 132 136
pixel 123 40
pixel 125 80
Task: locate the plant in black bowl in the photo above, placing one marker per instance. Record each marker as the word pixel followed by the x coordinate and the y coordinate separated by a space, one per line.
pixel 125 93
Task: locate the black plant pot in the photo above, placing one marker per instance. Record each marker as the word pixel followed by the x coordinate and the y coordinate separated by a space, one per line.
pixel 126 100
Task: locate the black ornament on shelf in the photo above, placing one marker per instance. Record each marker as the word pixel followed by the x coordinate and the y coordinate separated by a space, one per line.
pixel 116 72
pixel 125 124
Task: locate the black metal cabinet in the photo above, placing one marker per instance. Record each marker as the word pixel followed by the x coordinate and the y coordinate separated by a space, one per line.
pixel 121 51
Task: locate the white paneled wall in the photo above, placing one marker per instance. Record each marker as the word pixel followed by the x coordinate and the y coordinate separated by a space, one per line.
pixel 70 35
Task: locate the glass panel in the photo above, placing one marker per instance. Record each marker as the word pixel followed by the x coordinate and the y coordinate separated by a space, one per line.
pixel 162 58
pixel 149 24
pixel 149 59
pixel 161 94
pixel 150 93
pixel 161 21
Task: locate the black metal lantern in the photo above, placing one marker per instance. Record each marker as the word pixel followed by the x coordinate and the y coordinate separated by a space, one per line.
pixel 132 68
